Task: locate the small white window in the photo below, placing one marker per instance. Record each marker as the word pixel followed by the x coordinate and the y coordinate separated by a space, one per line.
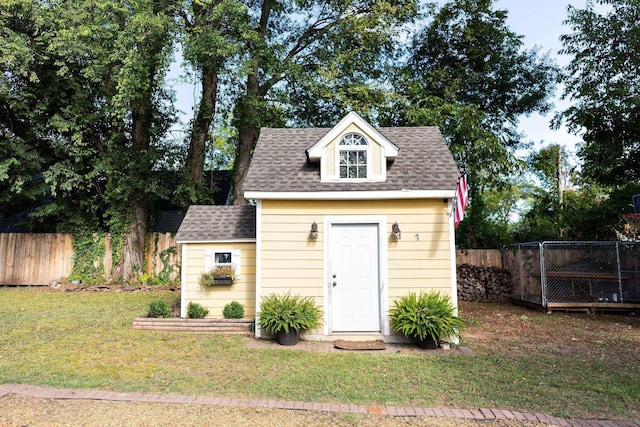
pixel 353 153
pixel 222 258
pixel 216 258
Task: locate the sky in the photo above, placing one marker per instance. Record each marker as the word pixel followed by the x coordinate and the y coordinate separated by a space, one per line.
pixel 539 21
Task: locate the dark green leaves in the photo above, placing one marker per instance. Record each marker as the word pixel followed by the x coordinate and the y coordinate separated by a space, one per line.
pixel 603 82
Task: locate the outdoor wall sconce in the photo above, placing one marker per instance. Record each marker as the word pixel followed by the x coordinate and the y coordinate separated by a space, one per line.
pixel 396 234
pixel 314 231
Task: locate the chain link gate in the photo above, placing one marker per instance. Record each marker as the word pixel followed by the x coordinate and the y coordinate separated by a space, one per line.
pixel 575 272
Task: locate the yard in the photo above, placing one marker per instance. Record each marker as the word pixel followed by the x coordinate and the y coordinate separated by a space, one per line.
pixel 567 365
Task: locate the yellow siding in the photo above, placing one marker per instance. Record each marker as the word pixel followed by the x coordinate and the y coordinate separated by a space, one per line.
pixel 292 261
pixel 374 160
pixel 215 298
pixel 330 158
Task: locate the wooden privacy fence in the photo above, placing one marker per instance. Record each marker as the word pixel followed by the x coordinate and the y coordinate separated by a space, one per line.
pixel 159 251
pixel 480 257
pixel 34 259
pixel 38 259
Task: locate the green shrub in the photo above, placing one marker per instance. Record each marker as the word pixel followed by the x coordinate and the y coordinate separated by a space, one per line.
pixel 428 314
pixel 159 309
pixel 233 310
pixel 149 279
pixel 285 312
pixel 196 311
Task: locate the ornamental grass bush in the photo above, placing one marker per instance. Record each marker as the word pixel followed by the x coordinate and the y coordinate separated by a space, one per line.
pixel 288 312
pixel 425 315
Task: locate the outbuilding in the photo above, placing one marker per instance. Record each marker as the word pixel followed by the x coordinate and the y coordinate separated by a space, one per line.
pixel 352 216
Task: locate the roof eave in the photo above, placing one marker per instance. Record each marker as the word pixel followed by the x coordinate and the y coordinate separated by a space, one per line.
pixel 209 240
pixel 350 195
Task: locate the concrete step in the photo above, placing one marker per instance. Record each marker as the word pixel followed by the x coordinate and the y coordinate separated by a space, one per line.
pixel 213 326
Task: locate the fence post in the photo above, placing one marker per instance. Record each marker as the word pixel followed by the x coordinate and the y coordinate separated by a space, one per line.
pixel 620 296
pixel 108 256
pixel 543 276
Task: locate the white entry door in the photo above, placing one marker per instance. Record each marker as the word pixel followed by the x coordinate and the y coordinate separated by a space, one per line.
pixel 354 278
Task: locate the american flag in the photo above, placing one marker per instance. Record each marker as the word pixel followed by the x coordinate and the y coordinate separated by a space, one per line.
pixel 462 198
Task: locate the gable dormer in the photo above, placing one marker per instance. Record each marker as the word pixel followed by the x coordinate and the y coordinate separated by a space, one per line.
pixel 352 151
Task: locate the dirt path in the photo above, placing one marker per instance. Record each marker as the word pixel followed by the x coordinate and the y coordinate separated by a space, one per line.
pixel 613 338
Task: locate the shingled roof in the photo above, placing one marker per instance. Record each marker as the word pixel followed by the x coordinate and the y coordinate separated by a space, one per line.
pixel 280 163
pixel 218 223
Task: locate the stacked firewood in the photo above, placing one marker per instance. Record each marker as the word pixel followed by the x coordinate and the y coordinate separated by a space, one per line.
pixel 483 284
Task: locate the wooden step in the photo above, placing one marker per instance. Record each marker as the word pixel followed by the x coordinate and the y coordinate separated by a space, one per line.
pixel 211 326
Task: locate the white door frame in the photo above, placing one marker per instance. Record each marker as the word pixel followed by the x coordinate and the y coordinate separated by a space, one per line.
pixel 383 277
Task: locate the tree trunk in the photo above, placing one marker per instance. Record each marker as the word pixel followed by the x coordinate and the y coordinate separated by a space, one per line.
pixel 132 255
pixel 248 120
pixel 559 179
pixel 247 137
pixel 135 215
pixel 194 165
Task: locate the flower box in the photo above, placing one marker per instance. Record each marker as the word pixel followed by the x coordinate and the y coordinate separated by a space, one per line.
pixel 219 275
pixel 223 280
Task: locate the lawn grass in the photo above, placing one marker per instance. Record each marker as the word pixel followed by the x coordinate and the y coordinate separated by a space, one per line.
pixel 85 340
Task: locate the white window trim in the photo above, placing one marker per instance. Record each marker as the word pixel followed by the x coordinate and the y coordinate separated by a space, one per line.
pixel 183 282
pixel 258 331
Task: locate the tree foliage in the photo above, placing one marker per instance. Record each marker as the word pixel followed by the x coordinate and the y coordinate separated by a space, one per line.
pixel 563 205
pixel 86 94
pixel 215 34
pixel 552 168
pixel 85 110
pixel 604 84
pixel 590 212
pixel 469 74
pixel 308 61
pixel 29 95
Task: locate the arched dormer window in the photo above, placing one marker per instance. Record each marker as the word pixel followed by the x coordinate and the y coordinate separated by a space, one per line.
pixel 353 153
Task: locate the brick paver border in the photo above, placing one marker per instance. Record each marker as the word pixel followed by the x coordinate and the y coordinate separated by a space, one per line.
pixel 480 414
